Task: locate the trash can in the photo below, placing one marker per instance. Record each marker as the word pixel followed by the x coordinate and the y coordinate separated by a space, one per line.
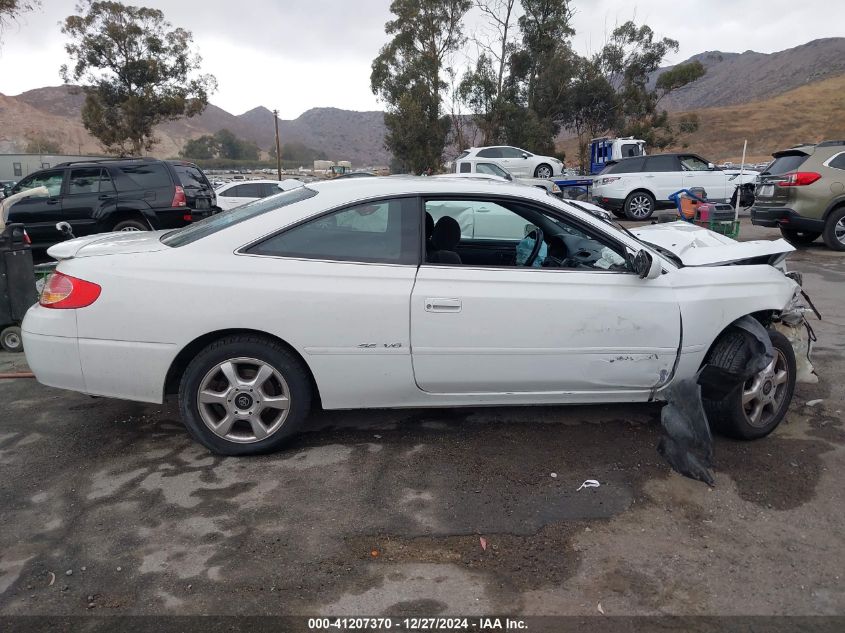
pixel 17 285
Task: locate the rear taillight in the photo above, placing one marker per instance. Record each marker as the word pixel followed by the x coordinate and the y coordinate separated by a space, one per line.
pixel 26 238
pixel 179 199
pixel 188 217
pixel 799 179
pixel 65 292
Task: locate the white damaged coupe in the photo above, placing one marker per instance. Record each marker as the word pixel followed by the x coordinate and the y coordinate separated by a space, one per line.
pixel 410 292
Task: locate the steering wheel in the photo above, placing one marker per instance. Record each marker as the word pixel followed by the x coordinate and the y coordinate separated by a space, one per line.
pixel 538 243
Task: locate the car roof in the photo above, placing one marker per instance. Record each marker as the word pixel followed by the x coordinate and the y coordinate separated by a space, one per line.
pixel 384 186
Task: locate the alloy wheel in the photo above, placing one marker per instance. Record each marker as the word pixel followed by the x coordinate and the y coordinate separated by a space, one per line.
pixel 243 400
pixel 839 230
pixel 544 172
pixel 763 394
pixel 129 229
pixel 640 207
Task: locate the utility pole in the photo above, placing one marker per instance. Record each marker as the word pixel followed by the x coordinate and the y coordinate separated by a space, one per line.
pixel 278 146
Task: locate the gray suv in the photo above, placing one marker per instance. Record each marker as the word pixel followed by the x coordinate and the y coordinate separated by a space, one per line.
pixel 802 192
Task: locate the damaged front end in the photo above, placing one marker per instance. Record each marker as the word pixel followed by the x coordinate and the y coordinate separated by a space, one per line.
pixel 686 442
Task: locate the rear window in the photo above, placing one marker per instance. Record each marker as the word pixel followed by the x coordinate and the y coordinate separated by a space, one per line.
pixel 784 164
pixel 625 166
pixel 191 177
pixel 146 176
pixel 629 150
pixel 225 219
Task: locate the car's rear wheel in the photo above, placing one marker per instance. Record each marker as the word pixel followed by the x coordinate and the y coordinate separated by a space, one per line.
pixel 639 205
pixel 244 395
pixel 834 230
pixel 543 171
pixel 11 339
pixel 755 408
pixel 130 226
pixel 799 238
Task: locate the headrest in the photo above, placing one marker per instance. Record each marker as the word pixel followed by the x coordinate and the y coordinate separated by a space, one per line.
pixel 446 234
pixel 557 247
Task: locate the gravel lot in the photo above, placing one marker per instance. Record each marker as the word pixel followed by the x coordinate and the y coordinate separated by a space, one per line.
pixel 109 508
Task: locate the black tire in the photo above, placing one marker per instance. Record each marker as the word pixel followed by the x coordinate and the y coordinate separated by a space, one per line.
pixel 834 230
pixel 729 416
pixel 11 339
pixel 544 168
pixel 639 205
pixel 799 238
pixel 266 350
pixel 131 225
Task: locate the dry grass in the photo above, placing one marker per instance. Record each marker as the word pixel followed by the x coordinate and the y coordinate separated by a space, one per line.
pixel 811 113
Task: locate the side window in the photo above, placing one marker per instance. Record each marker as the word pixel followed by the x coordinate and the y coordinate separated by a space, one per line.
pixel 106 184
pixel 838 162
pixel 491 152
pixel 512 152
pixel 50 179
pixel 693 163
pixel 386 232
pixel 630 149
pixel 232 192
pixel 504 233
pixel 269 189
pixel 466 168
pixel 661 163
pixel 252 190
pixel 85 180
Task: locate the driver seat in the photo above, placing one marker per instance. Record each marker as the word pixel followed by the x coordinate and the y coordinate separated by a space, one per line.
pixel 556 256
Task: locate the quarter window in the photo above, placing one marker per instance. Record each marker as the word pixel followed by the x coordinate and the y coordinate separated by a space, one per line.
pixel 385 232
pixel 147 175
pixel 466 168
pixel 837 162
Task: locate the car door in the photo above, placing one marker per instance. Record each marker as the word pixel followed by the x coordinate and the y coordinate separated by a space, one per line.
pixel 90 196
pixel 569 333
pixel 515 161
pixel 40 213
pixel 697 173
pixel 663 176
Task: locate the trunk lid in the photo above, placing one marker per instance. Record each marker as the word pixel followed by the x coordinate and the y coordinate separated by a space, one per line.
pixel 767 193
pixel 108 244
pixel 697 246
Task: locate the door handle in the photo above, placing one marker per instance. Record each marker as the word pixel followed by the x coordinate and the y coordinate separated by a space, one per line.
pixel 52 201
pixel 437 304
pixel 106 196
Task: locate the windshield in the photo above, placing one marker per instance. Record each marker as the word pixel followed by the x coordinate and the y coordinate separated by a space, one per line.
pixel 225 219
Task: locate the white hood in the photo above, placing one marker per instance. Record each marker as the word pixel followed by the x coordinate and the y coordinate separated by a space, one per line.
pixel 697 246
pixel 108 244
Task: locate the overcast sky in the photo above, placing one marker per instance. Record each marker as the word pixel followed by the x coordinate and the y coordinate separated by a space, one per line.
pixel 295 55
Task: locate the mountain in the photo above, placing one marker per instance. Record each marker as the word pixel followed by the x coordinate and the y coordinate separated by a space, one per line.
pixel 742 95
pixel 735 78
pixel 54 112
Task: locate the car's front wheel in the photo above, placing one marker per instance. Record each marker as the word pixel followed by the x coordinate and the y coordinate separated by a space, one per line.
pixel 754 409
pixel 244 395
pixel 639 205
pixel 543 171
pixel 799 238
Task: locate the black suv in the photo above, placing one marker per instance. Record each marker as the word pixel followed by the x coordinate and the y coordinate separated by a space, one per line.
pixel 131 194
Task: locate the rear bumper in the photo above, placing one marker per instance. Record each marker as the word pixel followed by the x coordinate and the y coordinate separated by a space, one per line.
pixel 115 369
pixel 787 218
pixel 613 204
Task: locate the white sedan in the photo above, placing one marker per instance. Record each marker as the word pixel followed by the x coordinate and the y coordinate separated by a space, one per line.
pixel 350 294
pixel 234 194
pixel 519 162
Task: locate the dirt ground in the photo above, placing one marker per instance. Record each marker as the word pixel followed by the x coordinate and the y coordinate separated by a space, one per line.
pixel 106 507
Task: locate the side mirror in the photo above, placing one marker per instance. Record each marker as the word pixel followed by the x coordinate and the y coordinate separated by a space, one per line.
pixel 509 177
pixel 711 166
pixel 525 156
pixel 646 266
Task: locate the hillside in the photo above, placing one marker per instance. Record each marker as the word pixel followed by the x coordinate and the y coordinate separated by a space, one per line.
pixel 734 78
pixel 54 111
